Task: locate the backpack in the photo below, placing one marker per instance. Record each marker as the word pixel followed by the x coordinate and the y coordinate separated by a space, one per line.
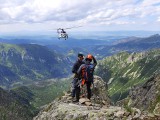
pixel 87 73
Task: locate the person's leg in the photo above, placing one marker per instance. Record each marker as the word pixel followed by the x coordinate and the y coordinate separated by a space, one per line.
pixel 88 90
pixel 74 82
pixel 77 93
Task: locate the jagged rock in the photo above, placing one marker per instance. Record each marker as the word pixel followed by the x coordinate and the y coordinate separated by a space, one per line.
pixel 60 110
pixel 99 94
pixel 157 109
pixel 67 94
pixel 72 111
pixel 146 96
pixel 100 91
pixel 119 114
pixel 83 100
pixel 64 97
pixel 88 103
pixel 69 98
pixel 136 113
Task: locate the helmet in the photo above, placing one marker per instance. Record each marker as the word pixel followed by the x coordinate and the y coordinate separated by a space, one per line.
pixel 89 56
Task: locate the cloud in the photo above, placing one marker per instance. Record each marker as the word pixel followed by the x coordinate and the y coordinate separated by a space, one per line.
pixel 40 10
pixel 79 11
pixel 150 2
pixel 158 19
pixel 117 22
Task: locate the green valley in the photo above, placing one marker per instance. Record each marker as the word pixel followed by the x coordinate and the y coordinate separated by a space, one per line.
pixel 124 70
pixel 25 101
pixel 48 90
pixel 23 64
pixel 16 105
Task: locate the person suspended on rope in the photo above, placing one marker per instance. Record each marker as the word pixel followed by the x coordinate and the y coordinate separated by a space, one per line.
pixel 75 87
pixel 86 72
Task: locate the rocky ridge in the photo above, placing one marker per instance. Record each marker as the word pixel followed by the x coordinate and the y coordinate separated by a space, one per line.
pixel 100 108
pixel 146 96
pixel 123 70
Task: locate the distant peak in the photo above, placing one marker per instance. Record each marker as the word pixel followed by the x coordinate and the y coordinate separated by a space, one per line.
pixel 155 35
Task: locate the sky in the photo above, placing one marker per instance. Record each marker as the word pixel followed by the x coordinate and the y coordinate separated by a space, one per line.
pixel 92 15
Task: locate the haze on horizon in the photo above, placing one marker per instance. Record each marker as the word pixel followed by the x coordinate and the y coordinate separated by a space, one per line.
pixel 93 15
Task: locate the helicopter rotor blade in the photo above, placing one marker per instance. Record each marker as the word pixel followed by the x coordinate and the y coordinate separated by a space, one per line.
pixel 73 27
pixel 66 28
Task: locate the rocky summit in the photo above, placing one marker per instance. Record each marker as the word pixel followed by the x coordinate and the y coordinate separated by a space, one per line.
pixel 98 108
pixel 147 96
pixel 99 94
pixel 65 111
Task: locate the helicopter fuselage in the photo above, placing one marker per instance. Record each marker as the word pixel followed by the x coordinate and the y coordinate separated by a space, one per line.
pixel 63 35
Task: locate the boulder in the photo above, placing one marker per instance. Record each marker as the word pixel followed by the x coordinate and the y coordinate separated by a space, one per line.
pixel 99 94
pixel 83 100
pixel 145 96
pixel 88 103
pixel 157 109
pixel 119 114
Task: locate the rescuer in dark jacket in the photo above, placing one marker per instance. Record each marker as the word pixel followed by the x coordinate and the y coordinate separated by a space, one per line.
pixel 75 86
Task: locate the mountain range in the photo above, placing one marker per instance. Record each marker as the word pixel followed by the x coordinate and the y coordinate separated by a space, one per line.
pixel 107 46
pixel 24 63
pixel 122 63
pixel 131 44
pixel 16 105
pixel 124 70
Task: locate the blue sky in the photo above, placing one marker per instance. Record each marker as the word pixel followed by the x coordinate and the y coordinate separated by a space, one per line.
pixel 109 15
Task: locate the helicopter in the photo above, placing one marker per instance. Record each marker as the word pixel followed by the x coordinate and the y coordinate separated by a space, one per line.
pixel 62 33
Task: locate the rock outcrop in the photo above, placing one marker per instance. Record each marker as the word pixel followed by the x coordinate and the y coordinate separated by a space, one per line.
pixel 65 111
pixel 147 96
pixel 99 109
pixel 99 94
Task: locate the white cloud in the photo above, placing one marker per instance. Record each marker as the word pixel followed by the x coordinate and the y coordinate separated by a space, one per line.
pixel 150 2
pixel 158 19
pixel 117 22
pixel 79 11
pixel 40 10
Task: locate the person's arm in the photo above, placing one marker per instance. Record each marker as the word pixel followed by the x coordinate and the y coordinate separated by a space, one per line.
pixel 79 70
pixel 74 69
pixel 94 61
